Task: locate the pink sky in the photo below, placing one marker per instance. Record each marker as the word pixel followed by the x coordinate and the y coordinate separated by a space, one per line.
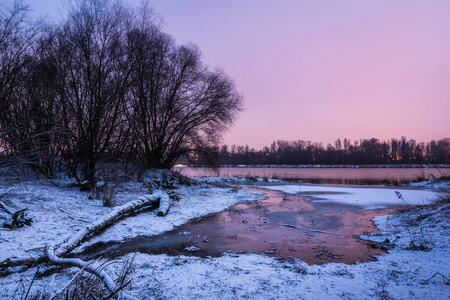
pixel 322 70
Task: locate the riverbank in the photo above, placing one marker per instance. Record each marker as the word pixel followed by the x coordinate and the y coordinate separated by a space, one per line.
pixel 416 266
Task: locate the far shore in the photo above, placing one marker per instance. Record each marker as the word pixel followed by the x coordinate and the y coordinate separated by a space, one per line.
pixel 399 166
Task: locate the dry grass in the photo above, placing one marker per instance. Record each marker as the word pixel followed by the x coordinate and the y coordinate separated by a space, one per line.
pixel 443 197
pixel 83 285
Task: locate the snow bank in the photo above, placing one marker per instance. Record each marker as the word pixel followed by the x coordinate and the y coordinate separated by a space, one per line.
pixel 430 184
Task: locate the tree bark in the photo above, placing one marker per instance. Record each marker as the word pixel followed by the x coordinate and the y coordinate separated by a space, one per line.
pixel 164 205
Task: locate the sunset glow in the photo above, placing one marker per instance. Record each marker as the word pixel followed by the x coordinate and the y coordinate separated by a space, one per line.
pixel 322 70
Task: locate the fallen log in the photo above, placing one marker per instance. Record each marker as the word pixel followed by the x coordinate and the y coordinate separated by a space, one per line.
pixel 56 256
pixel 66 247
pixel 164 205
pixel 308 229
pixel 118 212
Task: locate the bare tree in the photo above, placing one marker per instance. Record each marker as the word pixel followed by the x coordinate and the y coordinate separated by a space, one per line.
pixel 26 123
pixel 176 104
pixel 93 78
pixel 15 43
pixel 41 99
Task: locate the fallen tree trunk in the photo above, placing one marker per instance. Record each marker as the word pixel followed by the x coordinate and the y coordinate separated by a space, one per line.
pixel 110 218
pixel 164 205
pixel 64 248
pixel 56 256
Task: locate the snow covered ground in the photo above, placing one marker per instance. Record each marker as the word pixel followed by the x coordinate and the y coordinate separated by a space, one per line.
pixel 58 209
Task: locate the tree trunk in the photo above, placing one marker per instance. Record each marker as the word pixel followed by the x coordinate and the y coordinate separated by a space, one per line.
pixel 110 218
pixel 164 205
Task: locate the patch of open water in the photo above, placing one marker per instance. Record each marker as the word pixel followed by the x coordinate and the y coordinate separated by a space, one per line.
pixel 317 231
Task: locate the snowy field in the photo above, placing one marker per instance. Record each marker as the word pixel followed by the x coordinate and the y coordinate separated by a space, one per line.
pixel 59 209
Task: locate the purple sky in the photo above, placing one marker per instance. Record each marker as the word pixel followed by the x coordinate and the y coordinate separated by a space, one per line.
pixel 322 70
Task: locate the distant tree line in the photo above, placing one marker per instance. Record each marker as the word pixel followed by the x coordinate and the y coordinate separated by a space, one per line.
pixel 343 152
pixel 105 83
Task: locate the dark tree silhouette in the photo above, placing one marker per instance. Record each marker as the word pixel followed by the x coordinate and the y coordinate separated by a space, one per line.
pixel 106 82
pixel 177 105
pixel 362 152
pixel 14 46
pixel 19 128
pixel 34 113
pixel 93 77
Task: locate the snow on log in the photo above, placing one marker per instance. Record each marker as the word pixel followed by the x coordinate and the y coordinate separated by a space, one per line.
pixel 92 268
pixel 164 205
pixel 75 262
pixel 110 218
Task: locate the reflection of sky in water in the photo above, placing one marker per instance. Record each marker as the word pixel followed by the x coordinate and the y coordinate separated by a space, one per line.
pixel 368 198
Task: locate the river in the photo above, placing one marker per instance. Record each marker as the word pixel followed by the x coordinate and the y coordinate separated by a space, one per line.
pixel 331 175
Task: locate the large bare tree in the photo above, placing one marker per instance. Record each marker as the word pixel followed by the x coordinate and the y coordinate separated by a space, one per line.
pixel 26 102
pixel 93 81
pixel 177 105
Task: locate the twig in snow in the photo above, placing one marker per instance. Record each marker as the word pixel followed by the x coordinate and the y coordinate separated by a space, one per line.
pixel 32 281
pixel 6 208
pixel 67 285
pixel 35 249
pixel 446 280
pixel 70 217
pixel 308 229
